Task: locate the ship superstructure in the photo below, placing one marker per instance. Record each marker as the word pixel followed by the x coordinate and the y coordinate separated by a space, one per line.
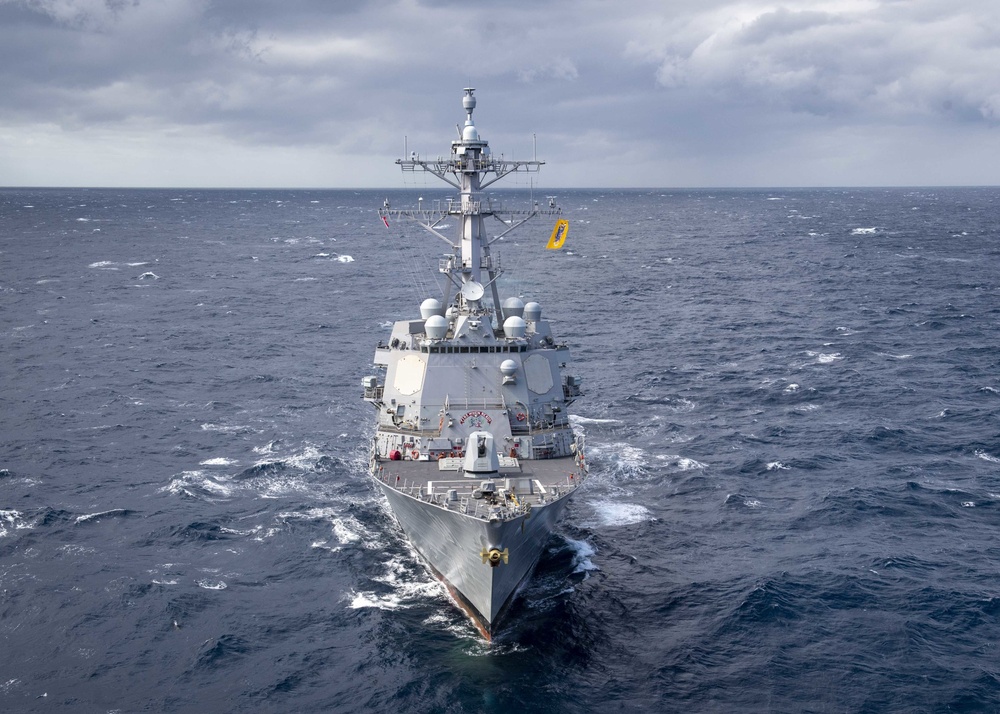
pixel 473 446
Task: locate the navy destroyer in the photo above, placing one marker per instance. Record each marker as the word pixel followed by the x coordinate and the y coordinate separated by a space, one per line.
pixel 473 446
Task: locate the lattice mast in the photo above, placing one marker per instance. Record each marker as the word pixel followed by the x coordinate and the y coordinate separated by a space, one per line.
pixel 470 168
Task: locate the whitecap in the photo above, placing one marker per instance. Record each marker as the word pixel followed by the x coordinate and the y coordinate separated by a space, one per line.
pixel 212 584
pixel 226 428
pixel 149 275
pixel 104 264
pixel 405 590
pixel 791 388
pixel 305 459
pixel 10 519
pixel 267 448
pixel 370 599
pixel 825 357
pixel 987 457
pixel 582 552
pixel 345 259
pixel 344 534
pixel 968 504
pixel 685 464
pixel 218 461
pixel 95 516
pixel 863 231
pixel 189 483
pixel 777 466
pixel 625 458
pixel 576 419
pixel 620 514
pixel 681 462
pixel 752 503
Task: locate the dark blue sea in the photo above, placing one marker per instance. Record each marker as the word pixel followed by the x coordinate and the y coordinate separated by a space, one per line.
pixel 791 413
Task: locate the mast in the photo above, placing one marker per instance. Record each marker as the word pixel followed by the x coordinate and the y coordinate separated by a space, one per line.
pixel 470 168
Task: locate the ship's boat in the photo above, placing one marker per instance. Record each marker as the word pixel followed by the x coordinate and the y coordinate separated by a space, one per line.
pixel 473 445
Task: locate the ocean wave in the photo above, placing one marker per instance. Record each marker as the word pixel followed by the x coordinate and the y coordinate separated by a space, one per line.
pixel 825 357
pixel 739 499
pixel 218 461
pixel 614 514
pixel 864 231
pixel 12 520
pixel 404 589
pixel 576 419
pixel 681 462
pixel 227 428
pixel 102 514
pixel 198 485
pixel 987 457
pixel 582 552
pixel 347 529
pixel 619 459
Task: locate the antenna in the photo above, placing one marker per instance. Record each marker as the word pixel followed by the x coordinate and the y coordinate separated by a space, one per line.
pixel 534 147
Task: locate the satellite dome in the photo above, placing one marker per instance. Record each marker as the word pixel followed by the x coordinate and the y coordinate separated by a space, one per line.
pixel 431 306
pixel 508 366
pixel 436 327
pixel 470 133
pixel 514 327
pixel 532 312
pixel 513 306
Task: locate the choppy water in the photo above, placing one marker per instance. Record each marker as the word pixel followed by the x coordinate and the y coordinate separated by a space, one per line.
pixel 792 416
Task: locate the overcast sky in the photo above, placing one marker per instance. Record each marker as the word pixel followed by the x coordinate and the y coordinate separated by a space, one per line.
pixel 653 93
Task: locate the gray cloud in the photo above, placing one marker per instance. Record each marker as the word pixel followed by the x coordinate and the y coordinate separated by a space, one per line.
pixel 305 92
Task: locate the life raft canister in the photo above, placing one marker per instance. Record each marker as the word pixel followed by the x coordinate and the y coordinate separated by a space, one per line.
pixel 395 455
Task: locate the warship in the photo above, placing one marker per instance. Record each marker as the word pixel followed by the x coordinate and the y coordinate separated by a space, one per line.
pixel 473 446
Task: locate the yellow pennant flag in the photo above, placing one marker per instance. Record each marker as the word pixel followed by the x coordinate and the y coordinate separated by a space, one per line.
pixel 558 234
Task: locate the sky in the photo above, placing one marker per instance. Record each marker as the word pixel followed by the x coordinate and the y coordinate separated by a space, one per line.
pixel 613 93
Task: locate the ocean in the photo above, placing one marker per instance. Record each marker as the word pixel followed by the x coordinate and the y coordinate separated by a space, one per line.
pixel 791 417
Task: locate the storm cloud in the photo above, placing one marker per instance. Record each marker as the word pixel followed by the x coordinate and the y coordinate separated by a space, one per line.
pixel 312 93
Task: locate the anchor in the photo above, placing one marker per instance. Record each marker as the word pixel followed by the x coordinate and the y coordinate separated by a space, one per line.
pixel 493 556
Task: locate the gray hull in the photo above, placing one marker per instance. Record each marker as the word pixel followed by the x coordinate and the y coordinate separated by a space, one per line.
pixel 452 544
